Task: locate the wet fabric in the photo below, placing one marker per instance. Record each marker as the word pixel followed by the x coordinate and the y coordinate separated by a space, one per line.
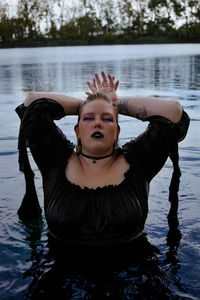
pixel 103 216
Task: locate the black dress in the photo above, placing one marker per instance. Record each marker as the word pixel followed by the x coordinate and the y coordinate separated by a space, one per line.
pixel 110 215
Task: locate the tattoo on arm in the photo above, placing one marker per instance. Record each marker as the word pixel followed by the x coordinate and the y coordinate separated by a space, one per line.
pixel 123 107
pixel 142 113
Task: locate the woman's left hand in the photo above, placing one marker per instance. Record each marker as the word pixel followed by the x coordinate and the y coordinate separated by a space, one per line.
pixel 107 86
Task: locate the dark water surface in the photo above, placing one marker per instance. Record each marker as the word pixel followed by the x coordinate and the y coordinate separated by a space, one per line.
pixel 162 265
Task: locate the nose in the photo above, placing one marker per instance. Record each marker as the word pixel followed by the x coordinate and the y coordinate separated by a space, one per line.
pixel 98 123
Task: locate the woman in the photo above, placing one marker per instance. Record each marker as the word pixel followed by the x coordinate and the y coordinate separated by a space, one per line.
pixel 98 194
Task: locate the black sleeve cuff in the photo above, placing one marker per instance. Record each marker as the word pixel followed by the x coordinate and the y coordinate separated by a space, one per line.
pixel 55 110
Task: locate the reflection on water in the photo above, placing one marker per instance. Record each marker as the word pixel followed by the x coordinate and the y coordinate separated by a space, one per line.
pixel 165 264
pixel 159 73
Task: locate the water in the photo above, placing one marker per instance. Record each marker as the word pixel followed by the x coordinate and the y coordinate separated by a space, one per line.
pixel 170 270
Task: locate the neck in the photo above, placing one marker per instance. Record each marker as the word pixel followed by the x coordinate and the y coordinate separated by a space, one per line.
pixel 95 158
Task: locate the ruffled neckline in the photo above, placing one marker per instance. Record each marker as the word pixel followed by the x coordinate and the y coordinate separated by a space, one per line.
pixel 108 187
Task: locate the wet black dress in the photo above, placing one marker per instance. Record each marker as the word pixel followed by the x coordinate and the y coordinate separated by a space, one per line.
pixel 103 216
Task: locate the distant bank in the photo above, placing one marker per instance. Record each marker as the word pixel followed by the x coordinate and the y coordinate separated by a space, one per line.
pixel 81 42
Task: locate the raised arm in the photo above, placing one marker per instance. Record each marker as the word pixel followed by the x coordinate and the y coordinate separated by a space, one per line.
pixel 70 104
pixel 143 108
pixel 137 107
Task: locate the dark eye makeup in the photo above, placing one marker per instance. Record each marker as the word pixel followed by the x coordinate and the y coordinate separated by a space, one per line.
pixel 107 118
pixel 104 118
pixel 88 118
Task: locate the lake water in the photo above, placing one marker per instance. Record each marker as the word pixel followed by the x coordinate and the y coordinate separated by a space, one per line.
pixel 170 270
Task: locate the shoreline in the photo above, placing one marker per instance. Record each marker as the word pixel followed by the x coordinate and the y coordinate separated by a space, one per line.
pixel 60 43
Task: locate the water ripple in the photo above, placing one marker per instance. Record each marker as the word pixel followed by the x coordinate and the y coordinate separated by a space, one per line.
pixel 8 138
pixel 8 153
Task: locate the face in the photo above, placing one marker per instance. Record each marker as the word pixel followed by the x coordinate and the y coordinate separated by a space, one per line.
pixel 97 128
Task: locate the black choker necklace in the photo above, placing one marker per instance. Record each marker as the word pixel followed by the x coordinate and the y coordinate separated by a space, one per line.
pixel 94 158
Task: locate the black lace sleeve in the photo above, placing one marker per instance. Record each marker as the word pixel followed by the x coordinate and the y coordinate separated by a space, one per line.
pixel 47 143
pixel 150 150
pixel 39 132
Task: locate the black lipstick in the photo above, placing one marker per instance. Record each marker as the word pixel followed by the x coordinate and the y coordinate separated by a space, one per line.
pixel 97 135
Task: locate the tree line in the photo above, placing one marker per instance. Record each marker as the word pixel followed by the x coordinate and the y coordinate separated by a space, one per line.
pixel 60 22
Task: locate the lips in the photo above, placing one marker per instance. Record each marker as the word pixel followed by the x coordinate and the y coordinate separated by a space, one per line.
pixel 97 135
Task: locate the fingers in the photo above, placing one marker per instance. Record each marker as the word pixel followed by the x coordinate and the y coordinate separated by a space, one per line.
pixel 92 87
pixel 116 85
pixel 111 81
pixel 94 83
pixel 112 84
pixel 105 81
pixel 99 85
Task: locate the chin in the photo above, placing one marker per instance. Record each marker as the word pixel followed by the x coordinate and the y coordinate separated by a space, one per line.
pixel 97 147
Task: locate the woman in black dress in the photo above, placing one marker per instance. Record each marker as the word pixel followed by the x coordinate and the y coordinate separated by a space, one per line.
pixel 97 195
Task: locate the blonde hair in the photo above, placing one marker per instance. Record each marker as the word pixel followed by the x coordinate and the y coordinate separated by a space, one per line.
pixel 98 96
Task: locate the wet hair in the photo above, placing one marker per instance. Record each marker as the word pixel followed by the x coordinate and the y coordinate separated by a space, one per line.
pixel 95 97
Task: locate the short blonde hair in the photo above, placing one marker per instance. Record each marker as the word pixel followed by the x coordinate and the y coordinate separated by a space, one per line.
pixel 95 97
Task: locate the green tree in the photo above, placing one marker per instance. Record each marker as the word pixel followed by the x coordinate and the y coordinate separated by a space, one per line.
pixel 46 14
pixel 28 15
pixel 100 19
pixel 162 12
pixel 86 26
pixel 126 14
pixel 5 24
pixel 140 18
pixel 133 18
pixel 69 31
pixel 53 32
pixel 108 16
pixel 189 14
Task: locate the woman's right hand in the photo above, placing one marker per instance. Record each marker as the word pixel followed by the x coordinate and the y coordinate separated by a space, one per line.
pixel 107 86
